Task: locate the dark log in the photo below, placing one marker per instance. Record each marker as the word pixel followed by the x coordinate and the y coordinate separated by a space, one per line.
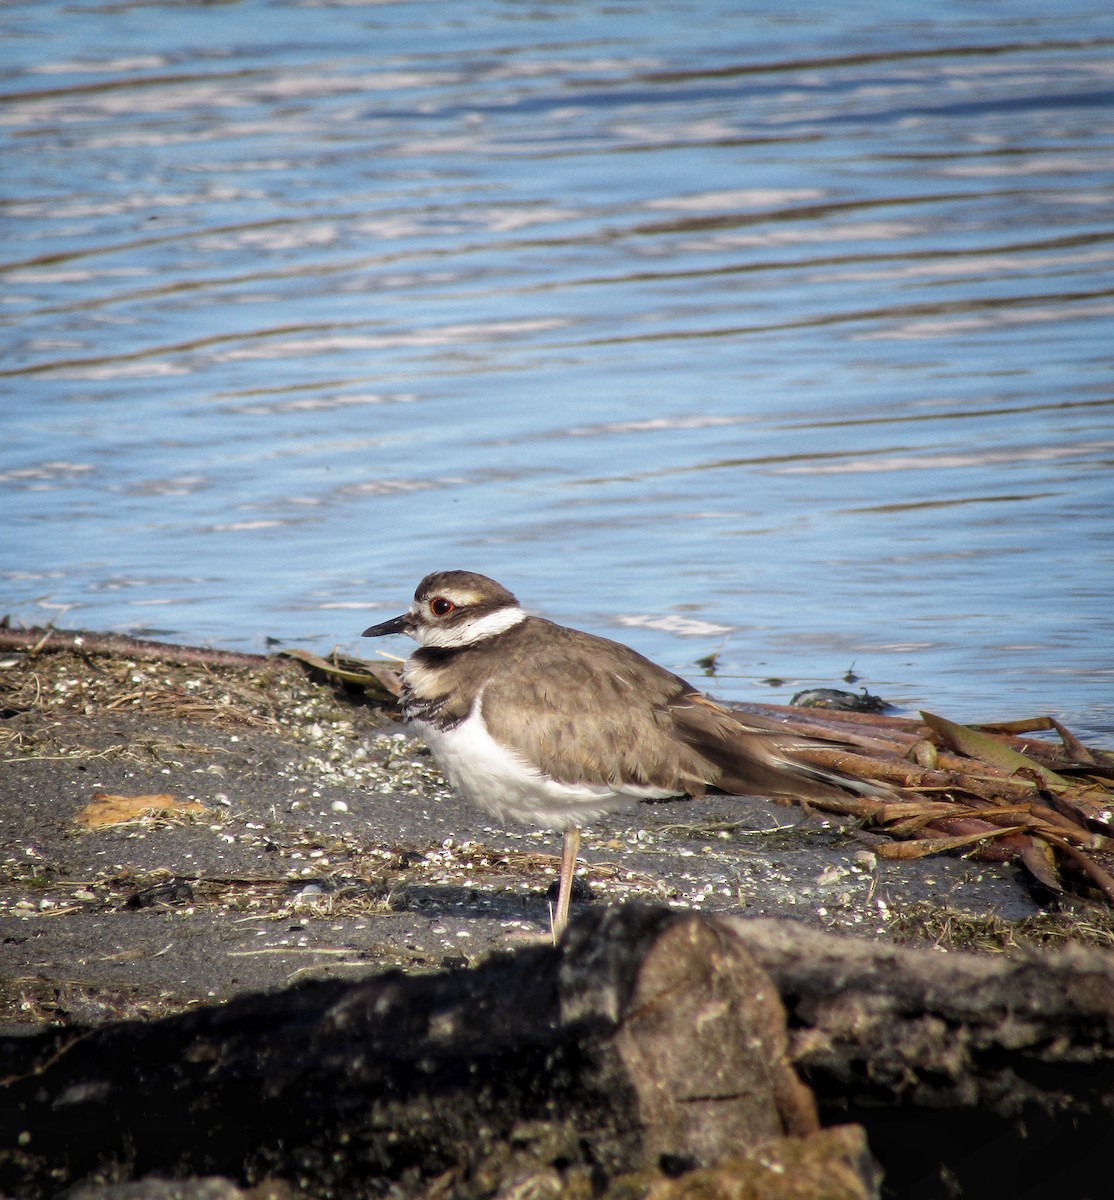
pixel 972 1075
pixel 882 1025
pixel 646 1041
pixel 645 1038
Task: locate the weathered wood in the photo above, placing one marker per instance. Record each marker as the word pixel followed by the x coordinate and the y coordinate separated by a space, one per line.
pixel 645 1037
pixel 890 1026
pixel 381 683
pixel 118 645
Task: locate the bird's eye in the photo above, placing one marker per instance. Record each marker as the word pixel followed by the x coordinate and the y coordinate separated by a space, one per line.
pixel 440 606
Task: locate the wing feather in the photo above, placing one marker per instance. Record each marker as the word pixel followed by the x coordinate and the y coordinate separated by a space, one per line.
pixel 589 710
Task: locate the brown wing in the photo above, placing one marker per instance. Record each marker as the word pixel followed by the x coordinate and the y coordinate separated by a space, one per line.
pixel 589 710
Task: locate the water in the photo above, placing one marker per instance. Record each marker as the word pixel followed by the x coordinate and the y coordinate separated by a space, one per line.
pixel 783 334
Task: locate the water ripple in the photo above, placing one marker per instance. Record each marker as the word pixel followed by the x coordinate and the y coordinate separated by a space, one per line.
pixel 784 331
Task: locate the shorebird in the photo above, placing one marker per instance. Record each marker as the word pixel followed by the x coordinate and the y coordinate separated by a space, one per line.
pixel 545 725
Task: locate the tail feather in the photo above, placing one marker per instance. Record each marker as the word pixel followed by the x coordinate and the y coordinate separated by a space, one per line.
pixel 754 755
pixel 831 778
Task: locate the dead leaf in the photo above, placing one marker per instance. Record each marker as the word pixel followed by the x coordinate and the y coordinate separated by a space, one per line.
pixel 988 749
pixel 1091 805
pixel 107 809
pixel 907 817
pixel 1040 860
pixel 1073 746
pixel 1085 863
pixel 380 682
pixel 922 847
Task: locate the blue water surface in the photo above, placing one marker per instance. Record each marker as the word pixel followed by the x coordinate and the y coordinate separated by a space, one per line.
pixel 781 333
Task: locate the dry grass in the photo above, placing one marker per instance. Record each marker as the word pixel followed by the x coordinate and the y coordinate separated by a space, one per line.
pixel 951 929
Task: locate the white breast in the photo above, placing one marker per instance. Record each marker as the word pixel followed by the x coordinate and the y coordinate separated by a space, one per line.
pixel 507 786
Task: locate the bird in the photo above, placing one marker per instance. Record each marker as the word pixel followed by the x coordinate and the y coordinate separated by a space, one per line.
pixel 541 724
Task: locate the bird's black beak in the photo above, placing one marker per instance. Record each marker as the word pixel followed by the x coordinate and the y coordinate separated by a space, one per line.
pixel 394 625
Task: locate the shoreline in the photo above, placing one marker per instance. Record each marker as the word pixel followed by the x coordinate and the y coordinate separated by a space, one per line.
pixel 305 834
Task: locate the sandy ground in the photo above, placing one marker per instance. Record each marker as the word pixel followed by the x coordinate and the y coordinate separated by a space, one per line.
pixel 306 834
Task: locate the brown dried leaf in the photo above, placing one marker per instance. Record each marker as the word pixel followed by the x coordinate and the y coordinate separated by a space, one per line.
pixel 922 847
pixel 988 749
pixel 919 807
pixel 1074 747
pixel 1085 863
pixel 1040 860
pixel 107 809
pixel 380 682
pixel 1087 802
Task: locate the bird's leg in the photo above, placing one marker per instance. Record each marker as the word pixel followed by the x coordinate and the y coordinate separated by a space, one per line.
pixel 569 848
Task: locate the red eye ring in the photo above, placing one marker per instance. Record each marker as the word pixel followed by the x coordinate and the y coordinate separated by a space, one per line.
pixel 441 606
